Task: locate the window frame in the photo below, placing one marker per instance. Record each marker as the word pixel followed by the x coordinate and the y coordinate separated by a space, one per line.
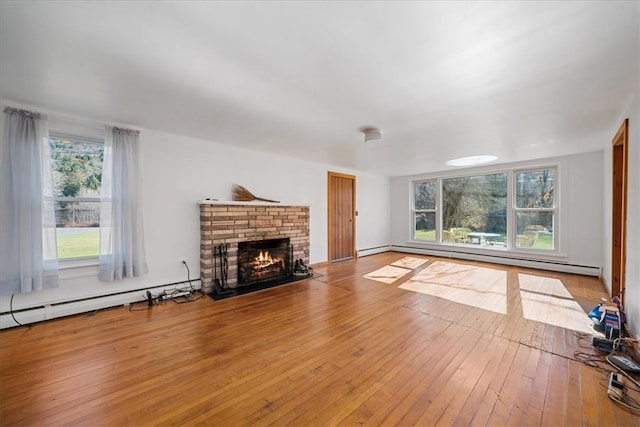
pixel 87 137
pixel 471 175
pixel 515 209
pixel 509 248
pixel 416 211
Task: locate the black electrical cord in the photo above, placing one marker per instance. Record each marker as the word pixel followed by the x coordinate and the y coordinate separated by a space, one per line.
pixel 600 362
pixel 188 274
pixel 131 309
pixel 173 295
pixel 193 290
pixel 11 310
pixel 593 361
pixel 584 340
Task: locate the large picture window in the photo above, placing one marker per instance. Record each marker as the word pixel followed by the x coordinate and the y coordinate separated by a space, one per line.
pixel 474 209
pixel 77 177
pixel 487 211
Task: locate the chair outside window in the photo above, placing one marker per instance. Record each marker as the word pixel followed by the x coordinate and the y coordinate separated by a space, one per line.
pixel 532 237
pixel 460 235
pixel 522 241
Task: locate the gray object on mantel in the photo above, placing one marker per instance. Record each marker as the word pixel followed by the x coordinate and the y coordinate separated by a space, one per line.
pixel 241 194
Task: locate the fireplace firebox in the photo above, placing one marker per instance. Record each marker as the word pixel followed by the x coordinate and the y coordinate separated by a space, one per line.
pixel 264 261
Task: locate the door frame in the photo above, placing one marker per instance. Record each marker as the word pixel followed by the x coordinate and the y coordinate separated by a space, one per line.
pixel 330 230
pixel 619 158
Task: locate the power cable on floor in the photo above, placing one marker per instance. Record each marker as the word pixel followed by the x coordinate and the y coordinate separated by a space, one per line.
pixel 11 311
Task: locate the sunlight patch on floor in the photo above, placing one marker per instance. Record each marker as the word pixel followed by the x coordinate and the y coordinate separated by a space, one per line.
pixel 479 287
pixel 387 274
pixel 543 285
pixel 547 300
pixel 409 262
pixel 394 271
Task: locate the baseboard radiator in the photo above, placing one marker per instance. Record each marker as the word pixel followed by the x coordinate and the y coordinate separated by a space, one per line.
pixel 586 270
pixel 374 250
pixel 48 311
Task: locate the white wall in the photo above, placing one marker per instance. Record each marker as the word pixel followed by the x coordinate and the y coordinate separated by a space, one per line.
pixel 632 266
pixel 177 172
pixel 580 186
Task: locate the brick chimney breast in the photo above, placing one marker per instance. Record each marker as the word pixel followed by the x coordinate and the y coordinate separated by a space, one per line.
pixel 233 222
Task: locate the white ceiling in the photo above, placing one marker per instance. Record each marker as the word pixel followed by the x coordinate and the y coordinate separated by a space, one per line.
pixel 518 80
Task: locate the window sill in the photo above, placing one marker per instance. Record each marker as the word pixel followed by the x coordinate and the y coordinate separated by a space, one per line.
pixel 78 268
pixel 77 263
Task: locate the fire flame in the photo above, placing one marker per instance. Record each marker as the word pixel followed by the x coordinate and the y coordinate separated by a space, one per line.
pixel 266 265
pixel 265 258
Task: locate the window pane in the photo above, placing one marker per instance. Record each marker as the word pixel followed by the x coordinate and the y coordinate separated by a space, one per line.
pixel 475 204
pixel 534 189
pixel 77 168
pixel 425 226
pixel 77 229
pixel 534 230
pixel 425 195
pixel 77 173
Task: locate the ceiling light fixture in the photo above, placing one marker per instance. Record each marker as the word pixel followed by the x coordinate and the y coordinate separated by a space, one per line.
pixel 371 134
pixel 471 160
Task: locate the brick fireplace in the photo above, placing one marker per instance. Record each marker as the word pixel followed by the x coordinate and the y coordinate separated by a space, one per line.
pixel 234 222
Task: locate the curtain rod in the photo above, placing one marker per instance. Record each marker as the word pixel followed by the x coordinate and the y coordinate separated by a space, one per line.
pixel 54 116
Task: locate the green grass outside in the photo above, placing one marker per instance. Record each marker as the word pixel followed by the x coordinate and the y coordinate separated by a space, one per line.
pixel 425 235
pixel 544 241
pixel 84 244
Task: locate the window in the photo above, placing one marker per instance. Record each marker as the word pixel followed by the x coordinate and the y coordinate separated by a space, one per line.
pixel 514 209
pixel 474 209
pixel 535 208
pixel 424 212
pixel 77 177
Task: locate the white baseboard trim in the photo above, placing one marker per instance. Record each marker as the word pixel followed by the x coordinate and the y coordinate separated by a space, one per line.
pixel 68 308
pixel 518 262
pixel 373 251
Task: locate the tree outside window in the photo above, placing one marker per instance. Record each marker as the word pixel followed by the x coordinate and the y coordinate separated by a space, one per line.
pixel 77 178
pixel 424 216
pixel 474 209
pixel 475 204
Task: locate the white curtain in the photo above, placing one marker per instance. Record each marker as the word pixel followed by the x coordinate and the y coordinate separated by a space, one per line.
pixel 122 252
pixel 28 254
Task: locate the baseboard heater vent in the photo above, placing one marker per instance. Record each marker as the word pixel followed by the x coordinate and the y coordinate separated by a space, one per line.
pixel 374 250
pixel 48 311
pixel 550 265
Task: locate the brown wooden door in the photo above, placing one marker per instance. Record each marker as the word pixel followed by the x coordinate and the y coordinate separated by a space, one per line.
pixel 341 214
pixel 619 209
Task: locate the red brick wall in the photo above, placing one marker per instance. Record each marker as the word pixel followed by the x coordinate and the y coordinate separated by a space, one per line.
pixel 235 222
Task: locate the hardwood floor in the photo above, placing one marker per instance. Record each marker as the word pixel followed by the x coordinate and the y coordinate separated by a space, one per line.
pixel 469 344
